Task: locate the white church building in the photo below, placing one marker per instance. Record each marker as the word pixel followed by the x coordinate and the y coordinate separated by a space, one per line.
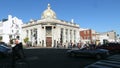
pixel 10 29
pixel 49 31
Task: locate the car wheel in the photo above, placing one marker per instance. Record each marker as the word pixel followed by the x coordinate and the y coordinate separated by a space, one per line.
pixel 98 56
pixel 72 54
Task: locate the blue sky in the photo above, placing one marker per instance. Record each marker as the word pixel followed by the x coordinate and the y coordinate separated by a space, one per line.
pixel 99 15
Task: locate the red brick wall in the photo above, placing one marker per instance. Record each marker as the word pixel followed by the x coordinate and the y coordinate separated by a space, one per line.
pixel 85 34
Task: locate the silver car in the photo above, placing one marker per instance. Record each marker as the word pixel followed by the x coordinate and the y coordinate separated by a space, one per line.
pixel 97 53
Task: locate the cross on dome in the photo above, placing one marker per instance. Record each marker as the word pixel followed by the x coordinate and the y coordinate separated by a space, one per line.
pixel 49 6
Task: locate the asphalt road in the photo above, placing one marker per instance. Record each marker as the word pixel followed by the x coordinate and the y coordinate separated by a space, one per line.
pixel 48 58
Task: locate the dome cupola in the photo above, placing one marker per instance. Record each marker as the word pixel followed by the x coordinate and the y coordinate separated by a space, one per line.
pixel 48 13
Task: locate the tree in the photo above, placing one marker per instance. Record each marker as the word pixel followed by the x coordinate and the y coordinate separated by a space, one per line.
pixel 0 38
pixel 26 39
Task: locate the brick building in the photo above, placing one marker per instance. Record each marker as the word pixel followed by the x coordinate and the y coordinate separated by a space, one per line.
pixel 88 35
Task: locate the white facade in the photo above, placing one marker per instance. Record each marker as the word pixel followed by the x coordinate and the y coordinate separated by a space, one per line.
pixel 50 31
pixel 10 29
pixel 110 36
pixel 103 37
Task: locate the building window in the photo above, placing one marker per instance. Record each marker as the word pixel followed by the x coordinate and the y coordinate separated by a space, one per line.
pixel 10 37
pixel 66 34
pixel 61 36
pixel 88 32
pixel 71 35
pixel 88 37
pixel 18 37
pixel 85 37
pixel 107 34
pixel 35 34
pixel 17 32
pixel 1 30
pixel 84 32
pixel 31 34
pixel 12 31
pixel 74 36
pixel 27 32
pixel 55 44
pixel 42 43
pixel 48 31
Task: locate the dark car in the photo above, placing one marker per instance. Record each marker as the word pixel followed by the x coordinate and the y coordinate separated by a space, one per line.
pixel 5 50
pixel 97 53
pixel 112 47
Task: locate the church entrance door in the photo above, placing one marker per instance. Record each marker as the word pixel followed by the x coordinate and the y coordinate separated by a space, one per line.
pixel 48 41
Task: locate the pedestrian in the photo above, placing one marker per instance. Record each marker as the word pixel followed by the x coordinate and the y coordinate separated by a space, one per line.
pixel 18 50
pixel 21 52
pixel 13 54
pixel 79 45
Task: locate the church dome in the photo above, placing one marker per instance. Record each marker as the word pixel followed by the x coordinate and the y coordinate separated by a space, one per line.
pixel 48 13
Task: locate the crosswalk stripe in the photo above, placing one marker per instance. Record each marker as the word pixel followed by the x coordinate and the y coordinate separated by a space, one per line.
pixel 117 57
pixel 110 62
pixel 97 66
pixel 113 60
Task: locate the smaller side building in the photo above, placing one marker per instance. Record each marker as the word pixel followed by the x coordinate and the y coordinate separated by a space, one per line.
pixel 91 36
pixel 10 29
pixel 109 36
pixel 88 35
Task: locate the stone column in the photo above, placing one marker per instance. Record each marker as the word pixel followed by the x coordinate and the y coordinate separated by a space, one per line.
pixel 38 36
pixel 64 37
pixel 58 34
pixel 68 35
pixel 44 37
pixel 67 39
pixel 29 35
pixel 73 36
pixel 77 35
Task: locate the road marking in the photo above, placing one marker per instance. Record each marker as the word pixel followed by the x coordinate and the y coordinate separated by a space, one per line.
pixel 110 62
pixel 107 64
pixel 96 66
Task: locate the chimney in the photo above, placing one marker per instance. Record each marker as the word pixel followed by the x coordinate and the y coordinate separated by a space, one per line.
pixel 9 17
pixel 72 20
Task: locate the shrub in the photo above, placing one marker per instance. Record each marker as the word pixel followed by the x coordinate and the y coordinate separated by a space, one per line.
pixel 26 39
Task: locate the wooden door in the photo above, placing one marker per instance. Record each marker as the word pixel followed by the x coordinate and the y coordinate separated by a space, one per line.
pixel 48 41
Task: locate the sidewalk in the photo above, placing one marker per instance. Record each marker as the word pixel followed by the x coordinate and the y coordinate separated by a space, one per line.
pixel 35 47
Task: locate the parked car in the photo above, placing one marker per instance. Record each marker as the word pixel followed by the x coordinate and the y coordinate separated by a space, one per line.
pixel 112 47
pixel 97 53
pixel 5 50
